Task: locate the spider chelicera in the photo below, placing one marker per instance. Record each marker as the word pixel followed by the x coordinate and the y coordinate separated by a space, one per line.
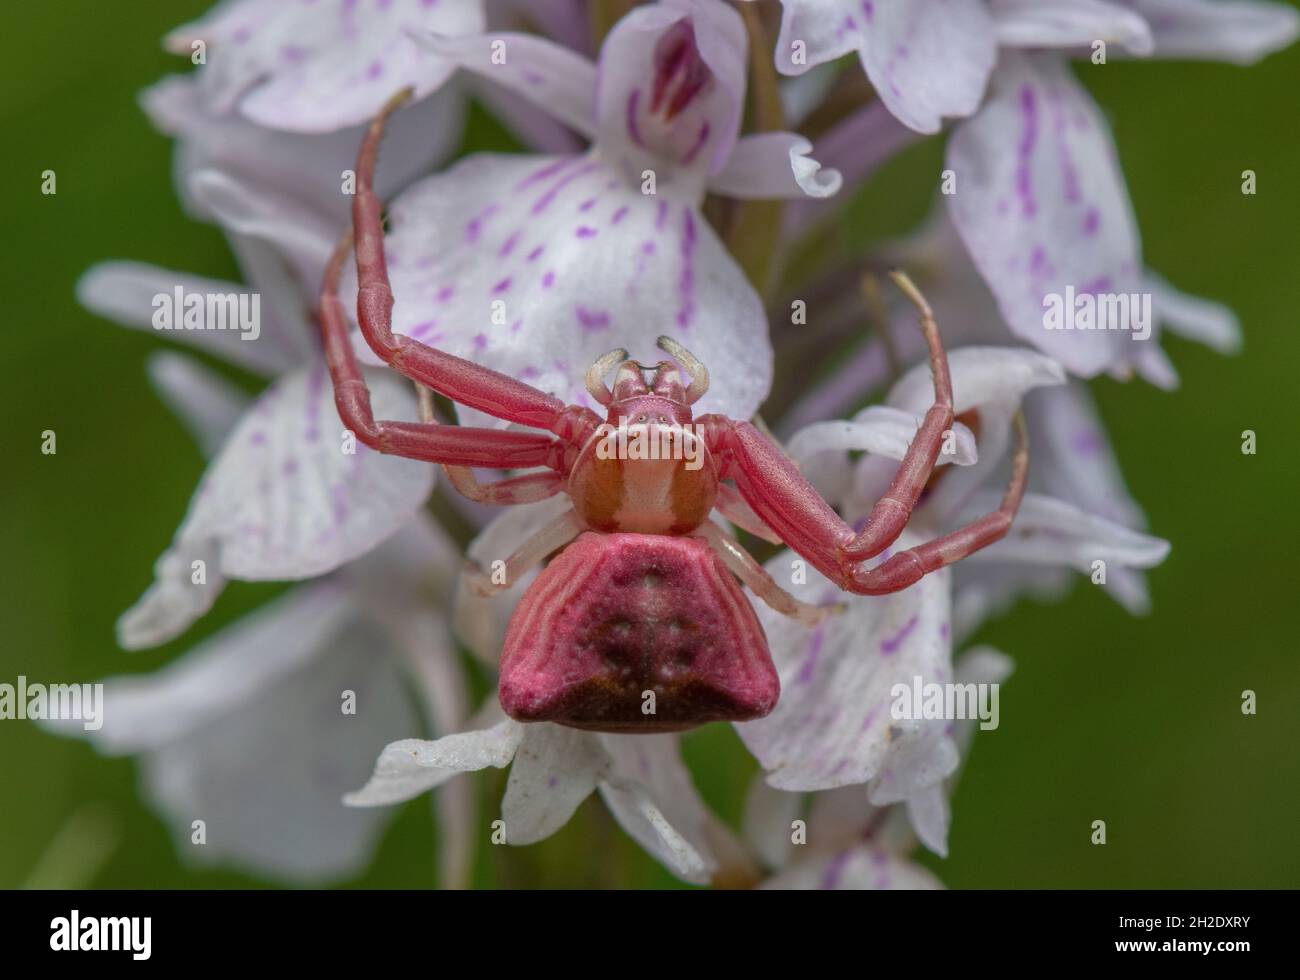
pixel 640 604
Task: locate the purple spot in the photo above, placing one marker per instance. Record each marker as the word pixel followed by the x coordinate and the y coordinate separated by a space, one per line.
pixel 532 256
pixel 444 294
pixel 686 285
pixel 587 205
pixel 552 781
pixel 661 216
pixel 1086 442
pixel 502 286
pixel 1091 221
pixel 474 227
pixel 290 466
pixel 585 231
pixel 592 320
pixel 508 245
pixel 945 630
pixel 1028 139
pixel 1099 285
pixel 258 439
pixel 534 78
pixel 892 644
pixel 545 200
pixel 548 280
pixel 547 171
pixel 293 53
pixel 420 329
pixel 834 869
pixel 619 215
pixel 815 643
pixel 480 341
pixel 375 70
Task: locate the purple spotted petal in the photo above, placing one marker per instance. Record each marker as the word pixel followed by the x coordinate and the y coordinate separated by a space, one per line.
pixel 303 168
pixel 320 65
pixel 284 499
pixel 1043 209
pixel 560 82
pixel 814 32
pixel 671 91
pixel 928 59
pixel 833 725
pixel 536 266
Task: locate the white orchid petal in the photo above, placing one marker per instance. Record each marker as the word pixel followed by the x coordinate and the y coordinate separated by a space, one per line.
pixel 318 68
pixel 243 207
pixel 538 266
pixel 555 769
pixel 1194 318
pixel 833 724
pixel 1068 24
pixel 1241 32
pixel 639 815
pixel 558 81
pixel 854 868
pixel 769 816
pixel 128 293
pixel 981 376
pixel 1053 532
pixel 407 768
pixel 267 777
pixel 700 136
pixel 207 403
pixel 928 59
pixel 775 165
pixel 1044 212
pixel 651 794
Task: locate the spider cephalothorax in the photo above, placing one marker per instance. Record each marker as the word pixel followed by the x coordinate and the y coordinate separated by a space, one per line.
pixel 637 623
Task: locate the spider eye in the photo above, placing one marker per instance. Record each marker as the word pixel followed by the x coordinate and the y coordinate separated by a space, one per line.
pixel 641 419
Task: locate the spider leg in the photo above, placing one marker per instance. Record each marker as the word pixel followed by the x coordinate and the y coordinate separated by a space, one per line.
pixel 448 444
pixel 529 555
pixel 901 570
pixel 743 565
pixel 525 489
pixel 460 380
pixel 783 499
pixel 731 505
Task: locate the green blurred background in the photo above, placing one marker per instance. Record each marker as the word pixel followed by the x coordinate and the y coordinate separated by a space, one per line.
pixel 1134 721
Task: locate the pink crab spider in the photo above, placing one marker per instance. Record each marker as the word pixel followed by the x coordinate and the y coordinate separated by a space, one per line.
pixel 640 597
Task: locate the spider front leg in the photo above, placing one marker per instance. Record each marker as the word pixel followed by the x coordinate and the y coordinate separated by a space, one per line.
pixel 448 444
pixel 781 497
pixel 460 380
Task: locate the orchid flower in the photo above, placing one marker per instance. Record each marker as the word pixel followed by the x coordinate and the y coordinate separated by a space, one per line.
pixel 641 779
pixel 536 265
pixel 318 67
pixel 1039 198
pixel 247 733
pixel 850 841
pixel 832 726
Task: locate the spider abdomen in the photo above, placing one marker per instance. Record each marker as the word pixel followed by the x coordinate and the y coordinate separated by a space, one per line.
pixel 636 633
